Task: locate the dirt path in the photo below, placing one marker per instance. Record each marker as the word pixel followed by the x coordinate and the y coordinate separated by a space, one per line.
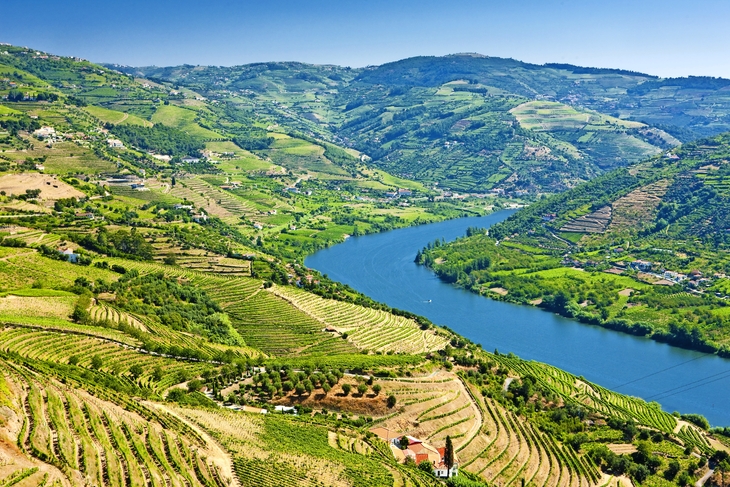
pixel 701 482
pixel 216 453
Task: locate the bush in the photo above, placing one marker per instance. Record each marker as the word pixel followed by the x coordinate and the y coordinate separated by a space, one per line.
pixel 391 401
pixel 97 362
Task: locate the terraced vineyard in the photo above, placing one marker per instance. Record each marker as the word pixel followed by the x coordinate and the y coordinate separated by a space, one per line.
pixel 105 312
pixel 213 200
pixel 637 208
pixel 366 328
pixel 116 359
pixel 199 259
pixel 272 324
pixel 274 451
pixel 87 440
pixel 595 222
pixel 490 441
pixel 593 396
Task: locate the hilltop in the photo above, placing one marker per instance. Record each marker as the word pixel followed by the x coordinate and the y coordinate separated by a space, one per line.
pixel 158 328
pixel 475 123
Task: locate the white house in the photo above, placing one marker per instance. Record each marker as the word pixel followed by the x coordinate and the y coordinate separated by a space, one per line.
pixel 45 132
pixel 418 451
pixel 69 254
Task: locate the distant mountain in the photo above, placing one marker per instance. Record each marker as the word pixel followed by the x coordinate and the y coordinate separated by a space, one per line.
pixel 471 122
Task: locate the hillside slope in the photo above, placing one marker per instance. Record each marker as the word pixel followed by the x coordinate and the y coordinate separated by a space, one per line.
pixel 468 122
pixel 641 249
pixel 157 326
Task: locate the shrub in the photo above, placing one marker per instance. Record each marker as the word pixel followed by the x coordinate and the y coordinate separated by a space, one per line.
pixel 391 401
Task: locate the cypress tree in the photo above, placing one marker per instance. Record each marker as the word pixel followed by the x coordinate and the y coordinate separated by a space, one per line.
pixel 449 455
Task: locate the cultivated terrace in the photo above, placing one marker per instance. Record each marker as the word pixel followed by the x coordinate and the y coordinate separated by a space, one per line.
pixel 158 326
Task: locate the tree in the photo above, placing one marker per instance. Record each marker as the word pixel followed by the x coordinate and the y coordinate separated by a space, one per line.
pixel 449 455
pixel 672 470
pixel 346 388
pixel 136 371
pixel 404 442
pixel 684 479
pixel 73 360
pixel 362 388
pixel 157 374
pixel 299 389
pixel 326 388
pixel 391 401
pixel 426 467
pixel 377 388
pixel 639 473
pixel 97 362
pixel 195 385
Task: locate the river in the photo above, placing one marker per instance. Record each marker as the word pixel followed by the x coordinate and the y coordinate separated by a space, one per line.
pixel 381 266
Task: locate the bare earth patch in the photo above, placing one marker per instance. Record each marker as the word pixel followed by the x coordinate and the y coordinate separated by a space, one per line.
pixel 51 188
pixel 499 290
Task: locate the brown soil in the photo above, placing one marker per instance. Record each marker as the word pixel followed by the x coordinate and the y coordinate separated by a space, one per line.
pixel 595 222
pixel 51 188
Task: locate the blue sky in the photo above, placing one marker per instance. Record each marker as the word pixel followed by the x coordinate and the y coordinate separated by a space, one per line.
pixel 666 38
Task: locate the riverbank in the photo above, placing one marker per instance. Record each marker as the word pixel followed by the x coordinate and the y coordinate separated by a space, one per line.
pixel 619 300
pixel 381 266
pixel 639 329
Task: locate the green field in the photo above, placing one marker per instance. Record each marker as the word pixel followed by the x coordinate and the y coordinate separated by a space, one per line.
pixel 114 117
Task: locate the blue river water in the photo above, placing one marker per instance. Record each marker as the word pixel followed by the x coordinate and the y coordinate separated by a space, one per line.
pixel 381 266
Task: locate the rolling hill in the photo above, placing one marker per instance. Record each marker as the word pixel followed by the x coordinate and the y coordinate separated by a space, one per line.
pixel 641 249
pixel 475 123
pixel 158 328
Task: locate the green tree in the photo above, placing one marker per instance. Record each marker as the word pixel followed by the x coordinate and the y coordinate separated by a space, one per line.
pixel 346 388
pixel 136 371
pixel 97 362
pixel 404 442
pixel 426 467
pixel 157 374
pixel 391 401
pixel 73 360
pixel 377 388
pixel 672 470
pixel 684 479
pixel 362 388
pixel 195 385
pixel 449 455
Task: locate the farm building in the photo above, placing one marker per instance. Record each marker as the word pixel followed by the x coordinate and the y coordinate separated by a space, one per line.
pixel 69 254
pixel 417 450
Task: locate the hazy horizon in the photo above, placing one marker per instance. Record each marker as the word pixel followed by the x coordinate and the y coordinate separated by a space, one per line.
pixel 666 39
